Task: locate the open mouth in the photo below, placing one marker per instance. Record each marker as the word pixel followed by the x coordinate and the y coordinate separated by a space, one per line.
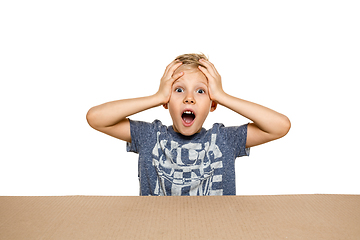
pixel 188 117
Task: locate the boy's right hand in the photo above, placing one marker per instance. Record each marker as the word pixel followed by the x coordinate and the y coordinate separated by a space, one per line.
pixel 112 117
pixel 167 81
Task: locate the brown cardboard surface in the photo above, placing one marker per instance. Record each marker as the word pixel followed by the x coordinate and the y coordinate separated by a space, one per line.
pixel 226 217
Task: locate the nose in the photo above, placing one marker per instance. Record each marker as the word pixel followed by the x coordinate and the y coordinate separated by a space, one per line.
pixel 189 99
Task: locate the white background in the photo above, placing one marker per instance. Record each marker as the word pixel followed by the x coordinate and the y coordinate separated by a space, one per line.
pixel 60 58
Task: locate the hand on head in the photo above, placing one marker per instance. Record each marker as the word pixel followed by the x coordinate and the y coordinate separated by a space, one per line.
pixel 168 79
pixel 214 79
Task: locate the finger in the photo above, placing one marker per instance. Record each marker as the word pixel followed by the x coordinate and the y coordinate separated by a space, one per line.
pixel 206 72
pixel 170 69
pixel 211 68
pixel 170 81
pixel 177 76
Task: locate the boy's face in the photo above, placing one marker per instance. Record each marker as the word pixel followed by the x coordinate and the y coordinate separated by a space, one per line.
pixel 189 103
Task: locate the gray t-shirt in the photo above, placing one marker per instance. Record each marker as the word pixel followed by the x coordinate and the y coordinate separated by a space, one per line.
pixel 174 164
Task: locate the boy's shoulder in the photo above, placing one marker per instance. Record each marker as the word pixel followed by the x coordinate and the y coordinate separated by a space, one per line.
pixel 157 127
pixel 153 135
pixel 143 125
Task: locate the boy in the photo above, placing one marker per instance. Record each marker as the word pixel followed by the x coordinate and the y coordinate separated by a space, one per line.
pixel 186 159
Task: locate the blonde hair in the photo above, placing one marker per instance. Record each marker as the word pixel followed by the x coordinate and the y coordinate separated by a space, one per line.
pixel 192 59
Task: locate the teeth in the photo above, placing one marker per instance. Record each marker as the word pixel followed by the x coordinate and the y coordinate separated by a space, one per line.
pixel 188 112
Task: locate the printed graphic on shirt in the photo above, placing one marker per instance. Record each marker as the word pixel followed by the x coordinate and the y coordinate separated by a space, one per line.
pixel 188 169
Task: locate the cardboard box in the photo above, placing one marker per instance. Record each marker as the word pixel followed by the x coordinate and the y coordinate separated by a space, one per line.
pixel 226 217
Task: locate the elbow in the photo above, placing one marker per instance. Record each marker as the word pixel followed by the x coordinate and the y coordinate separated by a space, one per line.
pixel 91 118
pixel 284 126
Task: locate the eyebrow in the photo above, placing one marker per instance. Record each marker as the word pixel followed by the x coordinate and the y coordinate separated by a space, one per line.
pixel 198 83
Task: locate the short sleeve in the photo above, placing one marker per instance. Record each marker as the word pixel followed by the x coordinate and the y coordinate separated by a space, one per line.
pixel 142 133
pixel 236 138
pixel 137 128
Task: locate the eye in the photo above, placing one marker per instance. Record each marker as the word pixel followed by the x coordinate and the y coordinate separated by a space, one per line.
pixel 201 91
pixel 179 90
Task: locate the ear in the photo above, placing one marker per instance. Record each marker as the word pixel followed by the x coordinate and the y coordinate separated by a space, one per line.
pixel 166 106
pixel 213 106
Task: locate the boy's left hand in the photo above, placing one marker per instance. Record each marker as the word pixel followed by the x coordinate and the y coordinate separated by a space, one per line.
pixel 214 80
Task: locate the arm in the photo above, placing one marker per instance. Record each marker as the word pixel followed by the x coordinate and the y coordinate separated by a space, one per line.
pixel 267 125
pixel 111 118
